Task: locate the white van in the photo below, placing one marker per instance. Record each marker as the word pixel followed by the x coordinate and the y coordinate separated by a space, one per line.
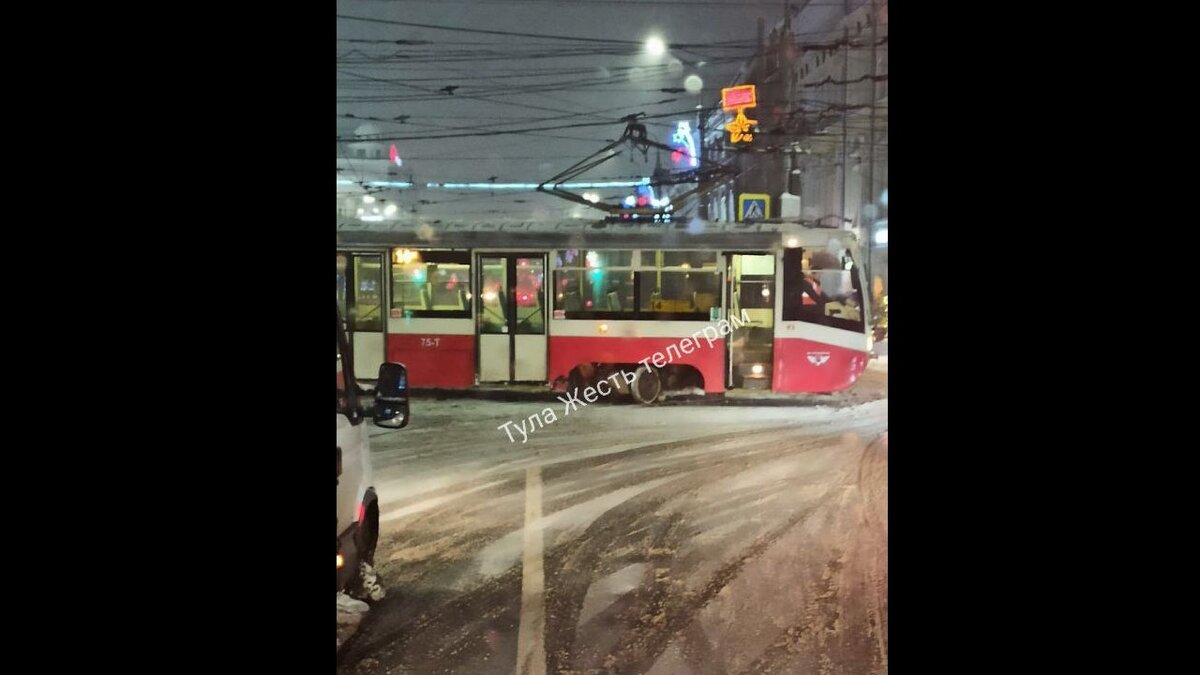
pixel 357 504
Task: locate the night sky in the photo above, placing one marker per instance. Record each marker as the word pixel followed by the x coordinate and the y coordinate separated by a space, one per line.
pixel 505 82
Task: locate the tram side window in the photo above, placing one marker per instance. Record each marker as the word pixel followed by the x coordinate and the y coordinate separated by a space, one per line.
pixel 679 284
pixel 366 311
pixel 677 292
pixel 588 258
pixel 688 259
pixel 435 285
pixel 648 284
pixel 593 290
pixel 817 288
pixel 594 283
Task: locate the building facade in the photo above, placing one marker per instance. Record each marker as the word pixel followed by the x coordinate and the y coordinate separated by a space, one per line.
pixel 821 132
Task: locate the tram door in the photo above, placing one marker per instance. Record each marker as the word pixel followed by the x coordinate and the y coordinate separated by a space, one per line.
pixel 751 292
pixel 360 297
pixel 511 317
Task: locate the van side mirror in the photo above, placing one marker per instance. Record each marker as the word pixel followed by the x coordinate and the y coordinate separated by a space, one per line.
pixel 391 396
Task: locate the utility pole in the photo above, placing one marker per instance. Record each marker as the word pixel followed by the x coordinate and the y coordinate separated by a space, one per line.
pixel 872 19
pixel 793 181
pixel 702 208
pixel 786 159
pixel 845 103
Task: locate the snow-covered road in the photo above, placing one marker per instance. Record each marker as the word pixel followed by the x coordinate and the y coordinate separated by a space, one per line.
pixel 621 538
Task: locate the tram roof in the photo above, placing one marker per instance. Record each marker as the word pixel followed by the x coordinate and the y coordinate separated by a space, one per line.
pixel 691 233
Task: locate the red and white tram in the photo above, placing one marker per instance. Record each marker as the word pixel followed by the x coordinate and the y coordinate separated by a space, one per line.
pixel 565 305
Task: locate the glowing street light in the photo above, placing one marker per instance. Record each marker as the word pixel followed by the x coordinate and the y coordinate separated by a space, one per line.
pixel 655 46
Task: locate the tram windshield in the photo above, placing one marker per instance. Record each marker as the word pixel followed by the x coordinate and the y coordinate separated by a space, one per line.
pixel 823 286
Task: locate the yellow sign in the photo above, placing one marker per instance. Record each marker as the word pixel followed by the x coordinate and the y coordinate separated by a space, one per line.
pixel 739 98
pixel 753 206
pixel 739 128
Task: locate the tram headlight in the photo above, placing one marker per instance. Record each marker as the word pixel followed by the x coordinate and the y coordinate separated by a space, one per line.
pixel 757 369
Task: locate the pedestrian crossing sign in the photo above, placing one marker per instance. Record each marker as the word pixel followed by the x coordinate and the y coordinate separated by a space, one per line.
pixel 754 206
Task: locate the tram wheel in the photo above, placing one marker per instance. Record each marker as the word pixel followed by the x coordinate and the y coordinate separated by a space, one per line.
pixel 576 381
pixel 647 385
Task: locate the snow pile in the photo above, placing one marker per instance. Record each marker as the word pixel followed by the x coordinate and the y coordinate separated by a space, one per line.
pixel 370 588
pixel 350 613
pixel 350 609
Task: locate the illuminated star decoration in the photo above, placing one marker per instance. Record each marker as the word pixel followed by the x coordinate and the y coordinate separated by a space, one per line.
pixel 739 128
pixel 686 146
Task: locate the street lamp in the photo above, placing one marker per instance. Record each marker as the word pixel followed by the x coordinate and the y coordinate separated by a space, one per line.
pixel 655 46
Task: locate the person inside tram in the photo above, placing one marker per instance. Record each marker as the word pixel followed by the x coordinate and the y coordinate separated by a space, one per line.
pixel 855 282
pixel 840 296
pixel 811 298
pixel 830 290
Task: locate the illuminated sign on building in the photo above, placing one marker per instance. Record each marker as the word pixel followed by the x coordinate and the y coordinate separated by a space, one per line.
pixel 394 155
pixel 685 145
pixel 739 98
pixel 739 128
pixel 742 96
